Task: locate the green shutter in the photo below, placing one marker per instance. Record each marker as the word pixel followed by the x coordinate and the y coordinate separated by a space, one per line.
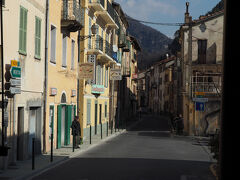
pixel 68 123
pixel 23 31
pixel 37 38
pixel 59 119
pixel 89 111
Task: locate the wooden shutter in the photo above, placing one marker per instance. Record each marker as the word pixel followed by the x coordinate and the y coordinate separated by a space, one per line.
pixel 202 51
pixel 23 31
pixel 68 123
pixel 37 38
pixel 59 119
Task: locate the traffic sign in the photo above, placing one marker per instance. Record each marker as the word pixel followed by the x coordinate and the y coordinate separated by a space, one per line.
pixel 200 99
pixel 14 63
pixel 15 82
pixel 15 72
pixel 199 106
pixel 15 90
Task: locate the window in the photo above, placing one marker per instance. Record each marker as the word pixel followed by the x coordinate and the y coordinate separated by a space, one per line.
pixel 99 74
pixel 202 50
pixel 53 45
pixel 88 111
pixel 38 38
pixel 64 51
pixel 106 77
pixel 72 58
pixel 23 31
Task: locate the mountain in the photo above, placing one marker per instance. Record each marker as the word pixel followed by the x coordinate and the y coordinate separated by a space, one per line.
pixel 153 43
pixel 218 7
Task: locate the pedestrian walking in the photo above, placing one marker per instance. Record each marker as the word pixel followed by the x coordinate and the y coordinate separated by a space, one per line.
pixel 76 131
pixel 179 124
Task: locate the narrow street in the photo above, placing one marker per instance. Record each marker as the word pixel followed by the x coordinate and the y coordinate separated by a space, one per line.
pixel 147 151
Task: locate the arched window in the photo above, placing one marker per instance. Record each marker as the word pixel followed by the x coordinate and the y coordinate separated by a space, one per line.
pixel 63 98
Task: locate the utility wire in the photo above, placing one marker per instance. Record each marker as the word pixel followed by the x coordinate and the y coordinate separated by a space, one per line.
pixel 156 23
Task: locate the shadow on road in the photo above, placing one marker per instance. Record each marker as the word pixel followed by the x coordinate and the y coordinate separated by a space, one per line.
pixel 128 168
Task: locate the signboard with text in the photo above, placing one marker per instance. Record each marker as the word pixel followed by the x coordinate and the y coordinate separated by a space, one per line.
pixel 115 74
pixel 86 71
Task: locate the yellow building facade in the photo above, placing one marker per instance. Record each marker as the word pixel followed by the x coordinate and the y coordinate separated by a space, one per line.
pixel 65 19
pixel 98 49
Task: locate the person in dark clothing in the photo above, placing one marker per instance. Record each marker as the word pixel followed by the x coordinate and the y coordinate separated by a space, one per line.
pixel 76 131
pixel 179 124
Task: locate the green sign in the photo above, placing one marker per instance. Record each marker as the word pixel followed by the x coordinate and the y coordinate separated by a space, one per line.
pixel 97 89
pixel 15 72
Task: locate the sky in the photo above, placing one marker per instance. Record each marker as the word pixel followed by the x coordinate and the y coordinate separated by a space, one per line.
pixel 165 11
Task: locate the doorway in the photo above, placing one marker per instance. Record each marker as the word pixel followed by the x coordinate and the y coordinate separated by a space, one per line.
pixel 20 133
pixel 34 130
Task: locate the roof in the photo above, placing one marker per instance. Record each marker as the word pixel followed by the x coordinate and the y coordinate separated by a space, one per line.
pixel 204 18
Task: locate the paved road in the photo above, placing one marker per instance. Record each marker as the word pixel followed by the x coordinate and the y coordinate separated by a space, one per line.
pixel 145 152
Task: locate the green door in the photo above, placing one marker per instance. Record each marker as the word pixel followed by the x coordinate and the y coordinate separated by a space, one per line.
pixel 59 120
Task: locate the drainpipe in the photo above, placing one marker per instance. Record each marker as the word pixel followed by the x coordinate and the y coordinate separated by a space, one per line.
pixel 45 77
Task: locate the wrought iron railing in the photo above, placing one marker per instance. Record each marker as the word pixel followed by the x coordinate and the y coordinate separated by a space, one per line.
pixel 72 10
pixel 96 43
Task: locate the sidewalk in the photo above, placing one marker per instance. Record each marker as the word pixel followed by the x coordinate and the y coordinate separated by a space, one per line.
pixel 23 169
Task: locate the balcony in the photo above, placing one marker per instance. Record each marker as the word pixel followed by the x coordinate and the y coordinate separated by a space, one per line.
pixel 72 16
pixel 127 47
pixel 96 5
pixel 109 15
pixel 108 53
pixel 95 45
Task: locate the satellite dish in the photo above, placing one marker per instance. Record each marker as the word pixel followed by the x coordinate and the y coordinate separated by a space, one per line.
pixel 115 48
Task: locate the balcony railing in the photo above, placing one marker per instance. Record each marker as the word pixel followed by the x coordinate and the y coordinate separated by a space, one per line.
pixel 72 15
pixel 96 43
pixel 97 4
pixel 108 49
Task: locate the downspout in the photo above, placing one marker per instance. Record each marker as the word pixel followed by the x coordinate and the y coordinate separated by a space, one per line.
pixel 45 77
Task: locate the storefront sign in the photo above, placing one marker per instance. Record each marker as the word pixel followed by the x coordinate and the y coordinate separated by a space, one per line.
pixel 115 74
pixel 74 93
pixel 86 71
pixel 53 91
pixel 97 89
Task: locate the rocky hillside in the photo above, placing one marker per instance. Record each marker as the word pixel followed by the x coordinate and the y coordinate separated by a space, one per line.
pixel 153 43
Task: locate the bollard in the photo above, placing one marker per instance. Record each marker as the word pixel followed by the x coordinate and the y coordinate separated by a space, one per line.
pixel 90 134
pixel 101 130
pixel 111 127
pixel 51 147
pixel 73 143
pixel 33 153
pixel 107 128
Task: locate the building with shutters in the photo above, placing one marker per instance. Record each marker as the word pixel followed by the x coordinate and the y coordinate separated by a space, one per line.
pixel 24 32
pixel 65 19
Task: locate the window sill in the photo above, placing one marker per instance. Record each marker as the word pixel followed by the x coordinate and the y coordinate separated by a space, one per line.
pixel 53 62
pixel 22 53
pixel 37 57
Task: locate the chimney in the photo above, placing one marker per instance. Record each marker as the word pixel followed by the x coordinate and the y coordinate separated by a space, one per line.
pixel 188 18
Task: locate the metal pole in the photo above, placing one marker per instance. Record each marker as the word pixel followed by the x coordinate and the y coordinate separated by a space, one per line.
pixel 52 147
pixel 101 130
pixel 33 153
pixel 2 64
pixel 90 134
pixel 107 128
pixel 73 143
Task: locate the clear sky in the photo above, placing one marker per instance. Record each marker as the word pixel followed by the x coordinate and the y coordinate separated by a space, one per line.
pixel 165 11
